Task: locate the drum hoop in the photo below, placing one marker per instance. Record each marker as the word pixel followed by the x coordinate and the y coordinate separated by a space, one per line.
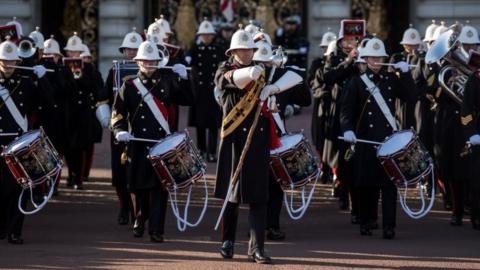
pixel 307 180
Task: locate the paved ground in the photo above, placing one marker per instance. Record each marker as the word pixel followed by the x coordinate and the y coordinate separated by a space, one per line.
pixel 78 230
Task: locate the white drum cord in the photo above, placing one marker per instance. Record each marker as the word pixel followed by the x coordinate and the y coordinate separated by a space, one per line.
pixel 422 211
pixel 297 213
pixel 37 207
pixel 182 220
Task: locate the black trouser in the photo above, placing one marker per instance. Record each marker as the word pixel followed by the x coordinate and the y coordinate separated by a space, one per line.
pixel 457 196
pixel 474 194
pixel 256 220
pixel 11 219
pixel 274 207
pixel 368 204
pixel 207 145
pixel 119 176
pixel 151 204
pixel 75 159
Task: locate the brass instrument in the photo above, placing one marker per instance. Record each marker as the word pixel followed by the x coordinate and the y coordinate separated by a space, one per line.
pixel 75 64
pixel 26 48
pixel 452 77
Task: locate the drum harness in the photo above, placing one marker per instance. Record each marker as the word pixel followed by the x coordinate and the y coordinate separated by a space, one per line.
pixel 182 220
pixel 375 92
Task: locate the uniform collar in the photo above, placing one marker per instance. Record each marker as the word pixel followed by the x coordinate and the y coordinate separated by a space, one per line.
pixel 375 77
pixel 152 79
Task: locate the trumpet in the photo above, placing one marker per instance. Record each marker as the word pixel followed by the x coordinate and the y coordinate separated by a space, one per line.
pixel 452 77
pixel 75 64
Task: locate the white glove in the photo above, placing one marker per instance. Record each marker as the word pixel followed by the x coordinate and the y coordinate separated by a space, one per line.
pixel 188 59
pixel 123 136
pixel 181 70
pixel 402 65
pixel 255 72
pixel 349 136
pixel 39 70
pixel 288 111
pixel 268 90
pixel 103 115
pixel 272 103
pixel 475 139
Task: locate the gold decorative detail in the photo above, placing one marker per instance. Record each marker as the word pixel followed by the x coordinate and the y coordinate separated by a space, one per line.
pixel 469 33
pixel 376 46
pixel 244 37
pixel 133 39
pixel 413 36
pixel 264 51
pixel 467 119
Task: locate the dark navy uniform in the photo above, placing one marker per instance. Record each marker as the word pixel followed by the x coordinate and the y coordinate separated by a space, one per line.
pixel 300 95
pixel 253 182
pixel 470 112
pixel 28 94
pixel 205 114
pixel 130 112
pixel 361 114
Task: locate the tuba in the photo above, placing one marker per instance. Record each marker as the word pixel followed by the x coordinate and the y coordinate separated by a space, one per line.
pixel 452 77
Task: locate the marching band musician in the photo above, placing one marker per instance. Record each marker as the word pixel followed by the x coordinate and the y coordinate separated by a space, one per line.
pixel 234 79
pixel 97 132
pixel 315 81
pixel 81 133
pixel 415 115
pixel 469 117
pixel 205 114
pixel 140 109
pixel 300 95
pixel 361 116
pixel 55 120
pixel 339 69
pixel 129 49
pixel 290 38
pixel 21 95
pixel 454 166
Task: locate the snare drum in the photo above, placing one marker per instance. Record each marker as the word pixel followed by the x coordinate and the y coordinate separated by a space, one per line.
pixel 176 161
pixel 293 164
pixel 32 159
pixel 404 158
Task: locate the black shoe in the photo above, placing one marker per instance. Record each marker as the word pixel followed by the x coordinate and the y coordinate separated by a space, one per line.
pixel 467 210
pixel 388 233
pixel 227 249
pixel 156 237
pixel 259 257
pixel 365 230
pixel 476 224
pixel 456 221
pixel 78 186
pixel 211 158
pixel 447 205
pixel 138 228
pixel 275 234
pixel 15 239
pixel 343 204
pixel 123 217
pixel 373 225
pixel 354 219
pixel 69 183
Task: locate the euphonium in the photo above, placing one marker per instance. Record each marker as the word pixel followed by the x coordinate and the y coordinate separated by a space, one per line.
pixel 452 77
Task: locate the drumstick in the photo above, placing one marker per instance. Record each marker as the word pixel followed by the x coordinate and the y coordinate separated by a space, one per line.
pixel 144 140
pixel 8 134
pixel 362 141
pixel 391 64
pixel 167 67
pixel 29 68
